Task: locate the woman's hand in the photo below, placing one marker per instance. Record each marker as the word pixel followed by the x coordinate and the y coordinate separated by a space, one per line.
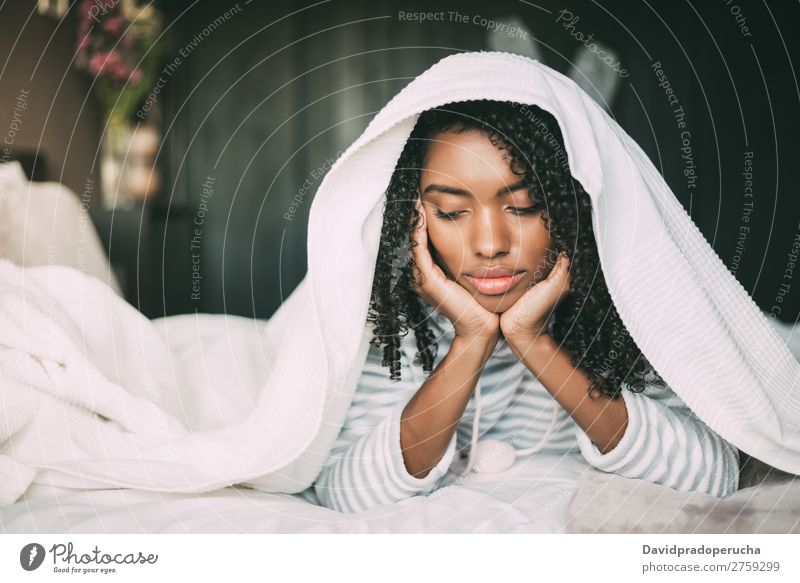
pixel 527 318
pixel 469 318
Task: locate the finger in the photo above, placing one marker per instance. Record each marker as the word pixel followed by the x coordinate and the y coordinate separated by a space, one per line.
pixel 418 223
pixel 416 280
pixel 420 285
pixel 557 281
pixel 420 242
pixel 552 274
pixel 422 256
pixel 563 277
pixel 560 268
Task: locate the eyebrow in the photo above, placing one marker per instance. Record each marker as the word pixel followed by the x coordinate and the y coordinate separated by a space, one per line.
pixel 461 192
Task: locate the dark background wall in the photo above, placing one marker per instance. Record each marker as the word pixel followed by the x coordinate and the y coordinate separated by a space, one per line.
pixel 264 99
pixel 60 121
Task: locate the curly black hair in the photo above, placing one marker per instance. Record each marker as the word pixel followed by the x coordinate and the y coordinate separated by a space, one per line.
pixel 586 323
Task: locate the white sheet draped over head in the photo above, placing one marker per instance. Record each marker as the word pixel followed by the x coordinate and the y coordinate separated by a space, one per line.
pixel 691 318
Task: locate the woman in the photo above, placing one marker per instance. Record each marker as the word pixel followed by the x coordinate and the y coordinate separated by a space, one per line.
pixel 488 255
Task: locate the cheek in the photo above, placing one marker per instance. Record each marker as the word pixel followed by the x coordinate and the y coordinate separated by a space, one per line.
pixel 449 245
pixel 537 246
pixel 535 238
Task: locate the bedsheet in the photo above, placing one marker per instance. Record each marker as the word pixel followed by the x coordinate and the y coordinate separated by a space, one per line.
pixel 533 496
pixel 530 497
pixel 609 503
pixel 221 358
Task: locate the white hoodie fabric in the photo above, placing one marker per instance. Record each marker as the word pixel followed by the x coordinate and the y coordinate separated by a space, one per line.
pixel 89 396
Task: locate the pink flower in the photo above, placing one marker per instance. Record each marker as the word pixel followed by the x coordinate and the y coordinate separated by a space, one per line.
pixel 119 72
pixel 96 64
pixel 114 25
pixel 85 15
pixel 109 64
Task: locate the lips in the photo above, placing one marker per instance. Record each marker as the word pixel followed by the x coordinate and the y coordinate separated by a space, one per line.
pixel 494 280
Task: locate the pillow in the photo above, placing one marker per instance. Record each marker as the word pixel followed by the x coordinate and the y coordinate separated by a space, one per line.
pixel 45 223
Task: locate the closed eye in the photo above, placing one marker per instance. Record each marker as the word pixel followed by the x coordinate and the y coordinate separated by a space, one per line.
pixel 530 210
pixel 445 215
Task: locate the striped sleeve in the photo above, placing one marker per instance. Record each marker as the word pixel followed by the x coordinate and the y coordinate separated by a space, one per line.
pixel 366 467
pixel 665 443
pixel 372 472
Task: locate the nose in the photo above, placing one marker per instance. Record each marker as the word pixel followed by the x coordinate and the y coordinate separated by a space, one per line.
pixel 491 234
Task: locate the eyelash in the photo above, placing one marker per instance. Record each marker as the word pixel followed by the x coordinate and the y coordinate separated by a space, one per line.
pixel 518 210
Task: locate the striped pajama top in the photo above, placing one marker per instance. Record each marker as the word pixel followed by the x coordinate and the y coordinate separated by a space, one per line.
pixel 664 442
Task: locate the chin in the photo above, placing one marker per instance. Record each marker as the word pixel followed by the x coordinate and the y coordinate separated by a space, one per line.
pixel 497 304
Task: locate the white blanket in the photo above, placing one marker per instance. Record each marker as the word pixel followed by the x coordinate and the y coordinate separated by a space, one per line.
pixel 71 349
pixel 46 223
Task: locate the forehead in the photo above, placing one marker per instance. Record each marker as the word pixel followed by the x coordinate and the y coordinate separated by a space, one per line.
pixel 466 156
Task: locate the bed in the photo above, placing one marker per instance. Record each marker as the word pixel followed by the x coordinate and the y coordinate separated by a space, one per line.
pixel 543 493
pixel 531 497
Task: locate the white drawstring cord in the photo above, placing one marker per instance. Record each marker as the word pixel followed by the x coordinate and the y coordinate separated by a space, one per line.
pixel 502 445
pixel 547 433
pixel 475 422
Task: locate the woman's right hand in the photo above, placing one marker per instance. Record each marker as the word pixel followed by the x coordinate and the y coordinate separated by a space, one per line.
pixel 469 318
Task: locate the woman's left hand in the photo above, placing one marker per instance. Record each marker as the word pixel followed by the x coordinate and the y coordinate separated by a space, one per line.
pixel 527 318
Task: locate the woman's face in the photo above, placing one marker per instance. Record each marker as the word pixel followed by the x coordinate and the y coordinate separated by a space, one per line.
pixel 490 221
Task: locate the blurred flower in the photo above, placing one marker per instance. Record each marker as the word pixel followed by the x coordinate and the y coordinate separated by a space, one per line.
pixel 96 64
pixel 114 25
pixel 120 50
